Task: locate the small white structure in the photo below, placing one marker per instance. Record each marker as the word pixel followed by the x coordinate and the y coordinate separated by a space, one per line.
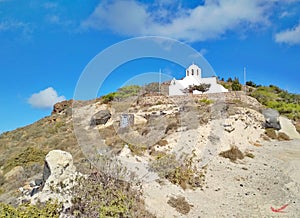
pixel 194 77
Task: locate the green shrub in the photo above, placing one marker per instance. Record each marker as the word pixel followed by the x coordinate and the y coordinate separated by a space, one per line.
pixel 236 86
pixel 49 209
pixel 108 98
pixel 127 91
pixel 271 133
pixel 181 173
pixel 206 101
pixel 276 98
pixel 25 158
pixel 251 83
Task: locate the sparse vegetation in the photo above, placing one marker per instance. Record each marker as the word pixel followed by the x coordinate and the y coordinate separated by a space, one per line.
pixel 121 93
pixel 203 87
pixel 233 154
pixel 249 154
pixel 108 98
pixel 273 97
pixel 137 149
pixel 180 204
pixel 271 133
pixel 25 158
pixel 127 91
pixel 236 86
pixel 283 137
pixel 206 101
pixel 49 209
pixel 162 142
pixel 181 173
pixel 252 84
pixel 100 195
pixel 2 179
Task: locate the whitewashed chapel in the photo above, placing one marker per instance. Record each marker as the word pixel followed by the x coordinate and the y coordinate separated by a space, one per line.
pixel 193 77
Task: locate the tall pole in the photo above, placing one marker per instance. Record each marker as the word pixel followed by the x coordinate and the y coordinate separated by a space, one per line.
pixel 159 81
pixel 245 80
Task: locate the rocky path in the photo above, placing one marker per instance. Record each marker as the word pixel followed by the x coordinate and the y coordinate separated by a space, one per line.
pixel 248 188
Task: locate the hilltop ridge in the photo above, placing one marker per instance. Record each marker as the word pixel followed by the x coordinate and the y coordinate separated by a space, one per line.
pixel 178 147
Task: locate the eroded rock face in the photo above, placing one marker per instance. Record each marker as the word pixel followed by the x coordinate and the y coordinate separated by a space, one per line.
pixel 58 167
pixel 272 118
pixel 100 118
pixel 59 176
pixel 62 106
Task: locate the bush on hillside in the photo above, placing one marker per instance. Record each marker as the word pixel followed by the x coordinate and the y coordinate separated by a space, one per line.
pixel 181 173
pixel 49 209
pixel 236 86
pixel 282 101
pixel 101 195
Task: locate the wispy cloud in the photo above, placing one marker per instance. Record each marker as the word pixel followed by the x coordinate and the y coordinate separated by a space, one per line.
pixel 45 99
pixel 208 21
pixel 50 5
pixel 289 36
pixel 23 29
pixel 6 25
pixel 57 20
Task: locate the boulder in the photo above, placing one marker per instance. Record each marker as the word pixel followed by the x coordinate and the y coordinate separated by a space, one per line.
pixel 139 120
pixel 59 176
pixel 58 167
pixel 288 128
pixel 62 106
pixel 271 118
pixel 100 118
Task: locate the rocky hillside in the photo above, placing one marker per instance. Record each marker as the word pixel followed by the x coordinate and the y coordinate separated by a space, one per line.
pixel 208 155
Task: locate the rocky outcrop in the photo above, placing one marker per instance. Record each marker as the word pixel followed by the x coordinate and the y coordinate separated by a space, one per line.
pixel 100 118
pixel 59 176
pixel 288 128
pixel 64 106
pixel 271 118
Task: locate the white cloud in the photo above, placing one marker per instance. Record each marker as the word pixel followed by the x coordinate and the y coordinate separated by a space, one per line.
pixel 45 99
pixel 290 36
pixel 208 21
pixel 11 24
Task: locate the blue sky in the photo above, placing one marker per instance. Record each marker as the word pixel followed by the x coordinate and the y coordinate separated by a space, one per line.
pixel 45 45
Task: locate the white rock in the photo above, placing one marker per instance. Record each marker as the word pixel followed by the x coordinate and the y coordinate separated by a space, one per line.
pixel 288 128
pixel 139 120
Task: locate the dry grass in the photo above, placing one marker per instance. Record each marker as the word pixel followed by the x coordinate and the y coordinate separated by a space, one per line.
pixel 180 204
pixel 283 137
pixel 271 133
pixel 179 172
pixel 162 142
pixel 233 154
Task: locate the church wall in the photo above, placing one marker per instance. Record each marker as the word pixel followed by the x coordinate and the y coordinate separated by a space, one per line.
pixel 175 89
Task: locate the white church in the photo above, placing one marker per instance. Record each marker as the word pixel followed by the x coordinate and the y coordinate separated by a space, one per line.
pixel 193 77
